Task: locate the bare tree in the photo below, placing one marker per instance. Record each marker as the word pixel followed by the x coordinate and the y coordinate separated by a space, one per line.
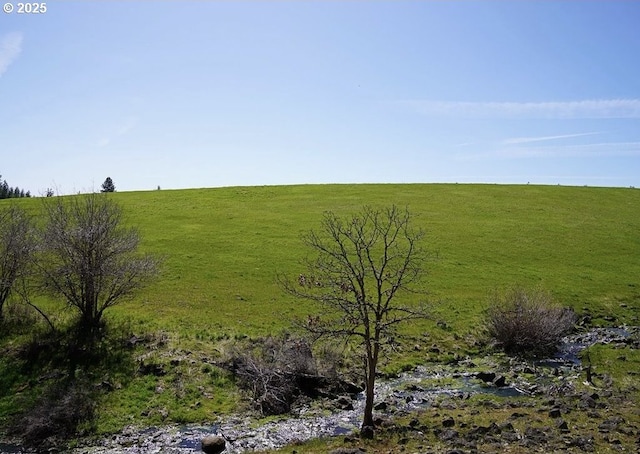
pixel 17 245
pixel 362 268
pixel 89 257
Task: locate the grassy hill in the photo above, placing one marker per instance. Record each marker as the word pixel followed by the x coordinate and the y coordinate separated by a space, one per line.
pixel 224 247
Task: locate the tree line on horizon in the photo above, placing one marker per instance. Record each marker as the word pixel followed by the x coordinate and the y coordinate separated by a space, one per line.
pixel 8 192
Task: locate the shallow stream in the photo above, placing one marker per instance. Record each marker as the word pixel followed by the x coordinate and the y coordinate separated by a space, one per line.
pixel 407 392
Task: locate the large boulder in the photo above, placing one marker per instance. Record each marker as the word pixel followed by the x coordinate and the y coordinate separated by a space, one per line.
pixel 486 377
pixel 213 444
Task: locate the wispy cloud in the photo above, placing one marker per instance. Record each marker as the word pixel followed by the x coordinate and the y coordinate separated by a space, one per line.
pixel 520 140
pixel 607 149
pixel 594 108
pixel 582 151
pixel 10 48
pixel 127 125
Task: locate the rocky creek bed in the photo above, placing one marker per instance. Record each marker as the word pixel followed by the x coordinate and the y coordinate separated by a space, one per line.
pixel 424 387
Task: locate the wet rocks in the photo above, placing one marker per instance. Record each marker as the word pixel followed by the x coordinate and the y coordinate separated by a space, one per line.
pixel 486 377
pixel 498 381
pixel 344 403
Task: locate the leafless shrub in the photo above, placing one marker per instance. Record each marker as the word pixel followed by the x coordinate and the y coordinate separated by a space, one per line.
pixel 89 258
pixel 271 370
pixel 17 245
pixel 56 416
pixel 280 371
pixel 527 322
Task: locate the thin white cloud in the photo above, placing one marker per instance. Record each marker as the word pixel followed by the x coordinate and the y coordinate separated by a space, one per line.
pixel 594 108
pixel 607 149
pixel 10 48
pixel 104 142
pixel 127 125
pixel 519 140
pixel 584 151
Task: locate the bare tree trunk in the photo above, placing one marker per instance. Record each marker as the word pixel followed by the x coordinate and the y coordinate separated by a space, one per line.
pixel 367 428
pixel 367 420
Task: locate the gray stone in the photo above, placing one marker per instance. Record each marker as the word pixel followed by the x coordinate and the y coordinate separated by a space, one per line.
pixel 213 445
pixel 449 422
pixel 486 377
pixel 344 403
pixel 562 426
pixel 554 412
pixel 610 424
pixel 500 381
pixel 448 435
pixel 381 406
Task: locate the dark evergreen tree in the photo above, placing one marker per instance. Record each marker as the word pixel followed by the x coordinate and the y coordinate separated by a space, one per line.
pixel 7 192
pixel 108 185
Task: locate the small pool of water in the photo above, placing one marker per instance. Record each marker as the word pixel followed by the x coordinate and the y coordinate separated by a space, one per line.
pixel 573 345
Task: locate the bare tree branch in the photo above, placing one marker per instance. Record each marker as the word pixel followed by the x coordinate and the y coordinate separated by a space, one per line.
pixel 360 267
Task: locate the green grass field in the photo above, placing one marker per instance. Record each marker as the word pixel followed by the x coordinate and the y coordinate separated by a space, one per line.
pixel 224 247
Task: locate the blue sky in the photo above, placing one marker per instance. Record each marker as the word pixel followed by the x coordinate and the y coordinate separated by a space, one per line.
pixel 220 93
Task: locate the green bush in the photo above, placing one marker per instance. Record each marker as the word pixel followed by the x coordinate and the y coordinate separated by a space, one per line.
pixel 527 322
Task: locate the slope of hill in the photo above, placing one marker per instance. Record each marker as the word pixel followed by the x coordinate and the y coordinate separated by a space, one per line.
pixel 224 247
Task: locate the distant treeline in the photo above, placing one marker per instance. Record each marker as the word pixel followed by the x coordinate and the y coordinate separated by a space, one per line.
pixel 7 192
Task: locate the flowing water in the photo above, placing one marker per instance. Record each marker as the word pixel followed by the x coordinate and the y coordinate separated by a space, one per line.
pixel 405 393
